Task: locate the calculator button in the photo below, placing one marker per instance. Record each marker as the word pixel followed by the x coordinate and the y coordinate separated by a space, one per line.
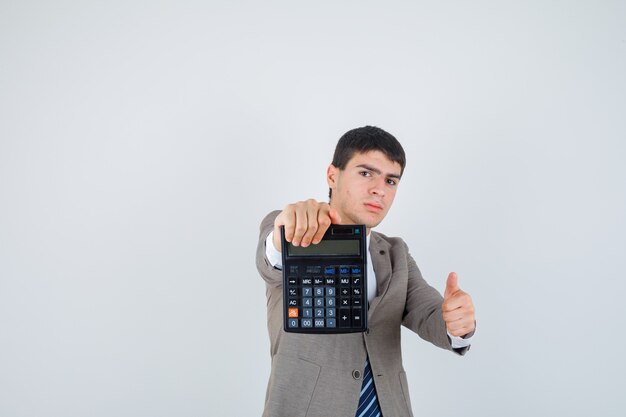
pixel 344 281
pixel 330 312
pixel 319 312
pixel 293 292
pixel 344 317
pixel 293 302
pixel 319 302
pixel 356 281
pixel 356 291
pixel 356 270
pixel 331 291
pixel 357 319
pixel 293 312
pixel 330 301
pixel 344 270
pixel 330 280
pixel 319 323
pixel 314 269
pixel 307 302
pixel 319 291
pixel 345 292
pixel 356 301
pixel 345 302
pixel 307 281
pixel 307 291
pixel 292 280
pixel 330 270
pixel 307 312
pixel 292 323
pixel 307 322
pixel 331 323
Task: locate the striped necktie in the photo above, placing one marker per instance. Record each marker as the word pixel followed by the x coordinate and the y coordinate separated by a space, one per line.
pixel 368 401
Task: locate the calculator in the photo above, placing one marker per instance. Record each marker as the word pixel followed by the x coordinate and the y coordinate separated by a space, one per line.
pixel 325 284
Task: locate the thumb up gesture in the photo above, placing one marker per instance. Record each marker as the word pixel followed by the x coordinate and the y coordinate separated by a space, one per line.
pixel 457 307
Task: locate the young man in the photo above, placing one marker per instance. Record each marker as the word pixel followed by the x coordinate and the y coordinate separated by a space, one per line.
pixel 356 374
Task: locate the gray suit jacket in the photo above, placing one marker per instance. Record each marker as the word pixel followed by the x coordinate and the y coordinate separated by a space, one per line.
pixel 313 375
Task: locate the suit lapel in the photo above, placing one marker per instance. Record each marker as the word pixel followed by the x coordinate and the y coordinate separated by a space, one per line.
pixel 381 262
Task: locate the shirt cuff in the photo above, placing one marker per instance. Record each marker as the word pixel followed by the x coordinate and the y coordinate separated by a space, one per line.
pixel 273 256
pixel 458 342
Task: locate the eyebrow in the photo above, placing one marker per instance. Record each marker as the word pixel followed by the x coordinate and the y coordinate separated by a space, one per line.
pixel 378 171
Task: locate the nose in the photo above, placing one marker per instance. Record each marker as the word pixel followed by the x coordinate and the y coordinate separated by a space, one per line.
pixel 378 187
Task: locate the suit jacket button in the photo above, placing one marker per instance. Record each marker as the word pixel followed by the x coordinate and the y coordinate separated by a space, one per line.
pixel 356 374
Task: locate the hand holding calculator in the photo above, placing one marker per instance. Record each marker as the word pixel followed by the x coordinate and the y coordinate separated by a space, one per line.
pixel 325 284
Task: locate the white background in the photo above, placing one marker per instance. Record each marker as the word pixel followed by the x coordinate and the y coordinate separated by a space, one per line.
pixel 141 143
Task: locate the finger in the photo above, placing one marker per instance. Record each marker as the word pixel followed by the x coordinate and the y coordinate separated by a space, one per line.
pixel 458 300
pixel 335 218
pixel 465 320
pixel 465 311
pixel 459 330
pixel 286 218
pixel 312 212
pixel 466 317
pixel 323 223
pixel 452 285
pixel 466 324
pixel 453 316
pixel 302 223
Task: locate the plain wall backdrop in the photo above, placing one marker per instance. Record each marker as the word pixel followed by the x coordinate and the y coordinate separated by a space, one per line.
pixel 141 143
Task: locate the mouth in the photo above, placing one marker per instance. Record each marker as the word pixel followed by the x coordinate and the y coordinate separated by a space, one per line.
pixel 374 207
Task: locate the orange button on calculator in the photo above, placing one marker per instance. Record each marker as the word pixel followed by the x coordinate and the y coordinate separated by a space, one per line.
pixel 293 312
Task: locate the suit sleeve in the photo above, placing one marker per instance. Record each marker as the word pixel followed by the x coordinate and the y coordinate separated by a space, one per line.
pixel 272 276
pixel 422 313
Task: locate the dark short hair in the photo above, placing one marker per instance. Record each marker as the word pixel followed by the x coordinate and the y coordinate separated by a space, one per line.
pixel 365 139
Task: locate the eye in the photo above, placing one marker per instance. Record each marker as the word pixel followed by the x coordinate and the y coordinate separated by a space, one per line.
pixel 365 173
pixel 391 181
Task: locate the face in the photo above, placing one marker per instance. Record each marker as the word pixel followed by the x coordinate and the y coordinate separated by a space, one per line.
pixel 363 192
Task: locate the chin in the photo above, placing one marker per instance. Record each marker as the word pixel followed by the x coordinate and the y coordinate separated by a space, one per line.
pixel 371 221
pixel 372 225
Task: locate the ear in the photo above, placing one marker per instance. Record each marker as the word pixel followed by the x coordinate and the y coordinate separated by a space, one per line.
pixel 331 176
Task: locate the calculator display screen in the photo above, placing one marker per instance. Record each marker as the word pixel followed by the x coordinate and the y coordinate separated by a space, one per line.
pixel 327 247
